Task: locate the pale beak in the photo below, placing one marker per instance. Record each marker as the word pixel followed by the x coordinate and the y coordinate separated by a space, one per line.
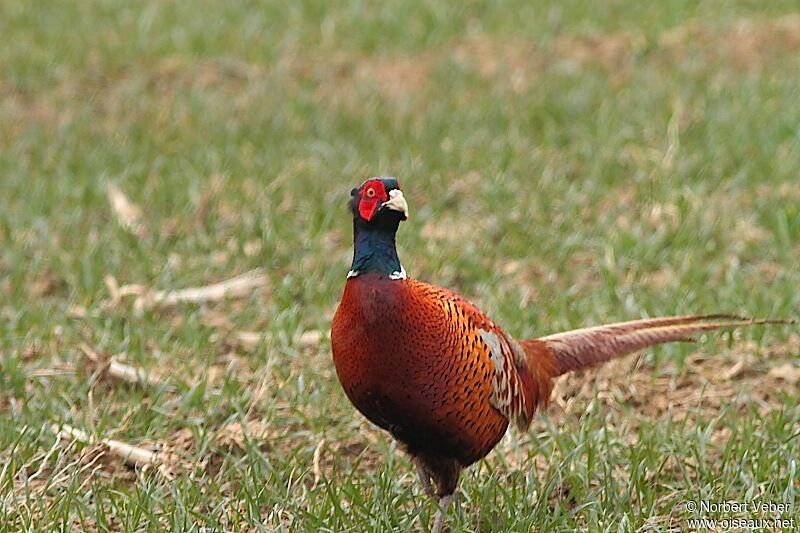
pixel 397 203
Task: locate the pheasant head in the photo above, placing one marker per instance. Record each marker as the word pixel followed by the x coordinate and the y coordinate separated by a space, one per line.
pixel 379 202
pixel 378 207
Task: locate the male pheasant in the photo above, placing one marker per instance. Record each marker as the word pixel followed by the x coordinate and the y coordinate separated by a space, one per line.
pixel 429 367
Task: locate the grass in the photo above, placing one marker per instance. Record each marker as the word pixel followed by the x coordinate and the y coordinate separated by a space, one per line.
pixel 565 165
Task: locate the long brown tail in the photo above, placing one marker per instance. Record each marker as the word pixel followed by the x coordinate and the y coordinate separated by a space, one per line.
pixel 581 348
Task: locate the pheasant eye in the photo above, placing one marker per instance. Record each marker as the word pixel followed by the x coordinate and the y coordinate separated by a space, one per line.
pixel 370 193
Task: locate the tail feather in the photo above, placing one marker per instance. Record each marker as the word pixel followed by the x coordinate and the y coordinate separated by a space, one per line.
pixel 633 325
pixel 581 348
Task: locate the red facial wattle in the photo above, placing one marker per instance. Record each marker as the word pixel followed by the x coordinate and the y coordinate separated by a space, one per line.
pixel 367 209
pixel 372 194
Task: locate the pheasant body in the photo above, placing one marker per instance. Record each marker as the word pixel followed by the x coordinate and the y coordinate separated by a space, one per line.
pixel 410 358
pixel 429 367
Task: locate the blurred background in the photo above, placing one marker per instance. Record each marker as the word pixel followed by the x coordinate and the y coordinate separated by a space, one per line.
pixel 566 163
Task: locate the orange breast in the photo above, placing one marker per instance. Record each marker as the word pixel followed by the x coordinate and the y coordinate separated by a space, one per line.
pixel 413 364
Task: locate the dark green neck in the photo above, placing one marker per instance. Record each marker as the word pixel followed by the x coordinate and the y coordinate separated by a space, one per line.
pixel 375 251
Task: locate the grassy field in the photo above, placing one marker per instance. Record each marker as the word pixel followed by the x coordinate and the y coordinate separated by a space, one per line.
pixel 565 164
